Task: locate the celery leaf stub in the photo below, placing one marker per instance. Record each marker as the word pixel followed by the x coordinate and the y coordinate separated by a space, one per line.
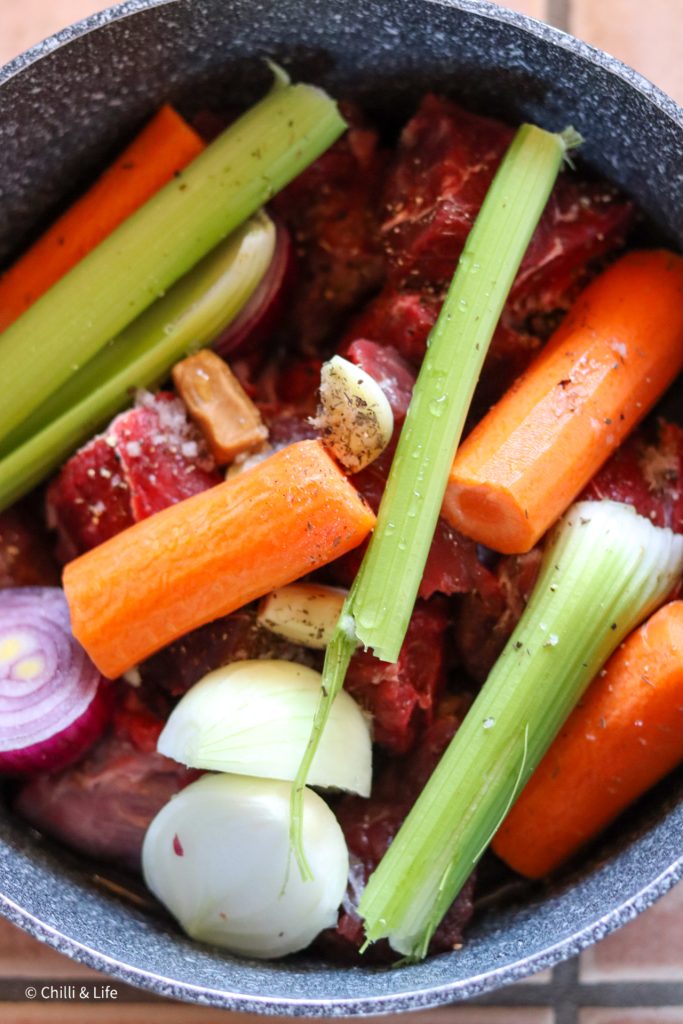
pixel 383 595
pixel 605 569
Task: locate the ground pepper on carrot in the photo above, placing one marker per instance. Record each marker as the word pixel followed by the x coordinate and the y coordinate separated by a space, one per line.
pixel 211 554
pixel 164 146
pixel 624 736
pixel 616 352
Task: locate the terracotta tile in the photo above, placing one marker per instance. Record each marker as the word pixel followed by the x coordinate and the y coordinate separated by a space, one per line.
pixel 649 948
pixel 471 1015
pixel 24 957
pixel 542 978
pixel 646 36
pixel 636 1015
pixel 173 1013
pixel 534 8
pixel 25 22
pixel 113 1012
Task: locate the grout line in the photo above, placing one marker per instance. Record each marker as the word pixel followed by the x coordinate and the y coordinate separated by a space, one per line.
pixel 558 13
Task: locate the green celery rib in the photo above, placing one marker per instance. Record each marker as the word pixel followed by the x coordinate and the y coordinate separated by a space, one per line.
pixel 382 598
pixel 604 571
pixel 159 243
pixel 389 578
pixel 189 316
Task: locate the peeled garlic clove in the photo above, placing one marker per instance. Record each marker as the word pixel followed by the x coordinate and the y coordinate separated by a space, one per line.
pixel 305 613
pixel 354 415
pixel 218 857
pixel 255 718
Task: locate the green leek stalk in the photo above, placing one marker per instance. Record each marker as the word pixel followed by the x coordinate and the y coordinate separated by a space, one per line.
pixel 188 317
pixel 382 598
pixel 240 171
pixel 605 569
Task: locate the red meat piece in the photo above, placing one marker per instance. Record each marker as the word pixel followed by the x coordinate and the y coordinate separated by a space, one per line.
pixel 102 806
pixel 163 456
pixel 402 320
pixel 89 501
pixel 445 163
pixel 331 209
pixel 25 557
pixel 369 827
pixel 150 457
pixel 647 475
pixel 233 638
pixel 487 618
pixel 395 376
pixel 401 697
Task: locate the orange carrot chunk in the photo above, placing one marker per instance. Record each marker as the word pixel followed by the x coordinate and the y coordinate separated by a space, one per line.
pixel 165 145
pixel 616 352
pixel 212 553
pixel 625 735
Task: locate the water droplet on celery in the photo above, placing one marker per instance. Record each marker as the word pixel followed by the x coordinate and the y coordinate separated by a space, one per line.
pixel 462 305
pixel 437 405
pixel 389 529
pixel 489 723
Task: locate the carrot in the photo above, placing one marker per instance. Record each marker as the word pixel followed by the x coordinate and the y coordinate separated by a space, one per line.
pixel 212 553
pixel 624 736
pixel 617 350
pixel 163 147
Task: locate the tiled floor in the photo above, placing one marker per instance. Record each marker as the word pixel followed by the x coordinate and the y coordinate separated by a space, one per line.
pixel 631 976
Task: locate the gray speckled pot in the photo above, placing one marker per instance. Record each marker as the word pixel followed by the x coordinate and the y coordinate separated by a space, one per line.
pixel 63 107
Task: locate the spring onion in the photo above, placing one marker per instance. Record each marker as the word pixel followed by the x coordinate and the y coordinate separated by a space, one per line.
pixel 254 717
pixel 305 613
pixel 241 170
pixel 187 317
pixel 382 598
pixel 604 570
pixel 217 857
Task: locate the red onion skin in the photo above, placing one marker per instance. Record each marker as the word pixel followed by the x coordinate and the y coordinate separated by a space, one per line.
pixel 253 326
pixel 44 611
pixel 66 747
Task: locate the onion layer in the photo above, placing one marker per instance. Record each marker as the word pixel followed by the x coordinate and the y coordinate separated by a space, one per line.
pixel 217 855
pixel 53 701
pixel 255 717
pixel 250 329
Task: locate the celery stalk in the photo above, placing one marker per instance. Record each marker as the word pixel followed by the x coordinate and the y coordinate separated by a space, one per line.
pixel 378 609
pixel 159 243
pixel 605 569
pixel 189 316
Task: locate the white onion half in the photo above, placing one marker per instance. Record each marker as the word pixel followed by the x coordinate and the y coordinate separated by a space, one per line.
pixel 255 718
pixel 217 855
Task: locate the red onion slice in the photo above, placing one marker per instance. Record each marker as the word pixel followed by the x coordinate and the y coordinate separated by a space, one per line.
pixel 251 328
pixel 54 703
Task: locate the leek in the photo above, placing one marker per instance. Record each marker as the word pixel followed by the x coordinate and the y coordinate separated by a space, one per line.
pixel 605 570
pixel 196 309
pixel 382 598
pixel 254 717
pixel 241 170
